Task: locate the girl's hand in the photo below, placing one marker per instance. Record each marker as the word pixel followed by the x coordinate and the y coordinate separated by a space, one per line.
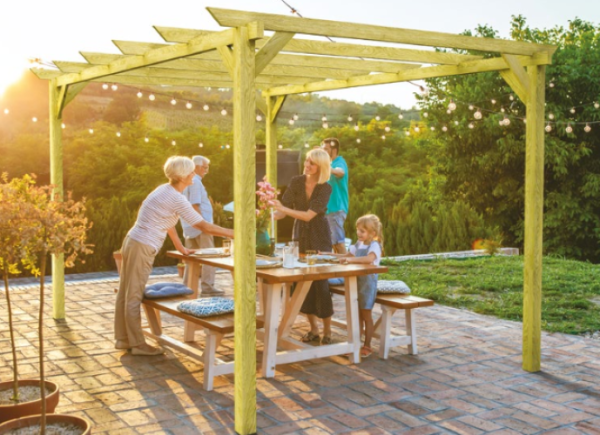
pixel 276 204
pixel 344 260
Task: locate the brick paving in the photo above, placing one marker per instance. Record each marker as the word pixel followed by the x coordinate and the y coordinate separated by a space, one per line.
pixel 467 378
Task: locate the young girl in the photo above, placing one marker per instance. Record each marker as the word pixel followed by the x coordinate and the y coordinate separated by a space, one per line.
pixel 367 250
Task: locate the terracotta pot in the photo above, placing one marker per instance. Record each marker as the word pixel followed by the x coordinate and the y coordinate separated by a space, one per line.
pixel 9 412
pixel 31 420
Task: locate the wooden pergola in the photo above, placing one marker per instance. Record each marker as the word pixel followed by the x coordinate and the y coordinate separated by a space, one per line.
pixel 262 70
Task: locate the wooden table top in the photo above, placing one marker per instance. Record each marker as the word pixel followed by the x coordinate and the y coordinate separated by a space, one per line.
pixel 282 275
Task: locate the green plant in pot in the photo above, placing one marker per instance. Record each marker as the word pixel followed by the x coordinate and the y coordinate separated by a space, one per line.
pixel 45 226
pixel 265 193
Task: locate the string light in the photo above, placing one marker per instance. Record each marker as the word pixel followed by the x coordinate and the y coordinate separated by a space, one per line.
pixel 471 125
pixel 596 105
pixel 295 117
pixel 62 125
pixel 118 134
pixel 205 107
pixel 146 139
pixel 432 128
pixel 417 129
pixel 448 111
pixel 280 146
pixel 548 128
pixel 258 118
pixel 173 101
pixel 356 127
pixel 477 115
pixel 139 94
pixel 201 145
pixel 223 112
pixel 493 101
pixel 91 130
pixel 471 107
pixel 400 116
pixel 425 114
pixel 569 129
pixel 502 109
pixel 455 122
pixel 358 140
pixel 452 105
pixel 587 128
pixel 506 121
pixel 188 105
pixel 572 110
pixel 377 118
pixel 6 111
pixel 227 146
pixel 114 87
pixel 551 116
pixel 324 118
pixel 387 128
pixel 325 125
pixel 34 119
pixel 151 97
pixel 291 121
pixel 349 118
pixel 511 97
pixel 173 143
pixel 551 84
pixel 104 86
pixel 306 145
pixel 383 137
pixel 444 129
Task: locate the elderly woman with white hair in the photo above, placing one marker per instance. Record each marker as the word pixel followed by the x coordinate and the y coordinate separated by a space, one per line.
pixel 156 218
pixel 306 200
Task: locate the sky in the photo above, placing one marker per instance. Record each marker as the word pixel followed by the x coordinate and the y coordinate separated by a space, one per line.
pixel 59 29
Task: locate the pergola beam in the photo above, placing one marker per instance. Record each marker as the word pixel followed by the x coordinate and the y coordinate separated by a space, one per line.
pixel 153 57
pixel 339 29
pixel 494 64
pixel 309 46
pixel 516 77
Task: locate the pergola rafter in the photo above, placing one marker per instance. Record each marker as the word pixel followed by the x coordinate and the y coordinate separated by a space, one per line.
pixel 282 64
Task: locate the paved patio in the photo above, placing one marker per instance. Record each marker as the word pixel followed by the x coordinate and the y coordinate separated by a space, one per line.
pixel 467 378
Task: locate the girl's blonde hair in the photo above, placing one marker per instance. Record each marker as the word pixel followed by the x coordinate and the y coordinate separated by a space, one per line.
pixel 371 222
pixel 323 161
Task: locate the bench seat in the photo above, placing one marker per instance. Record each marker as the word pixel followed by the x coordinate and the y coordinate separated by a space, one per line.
pixel 390 303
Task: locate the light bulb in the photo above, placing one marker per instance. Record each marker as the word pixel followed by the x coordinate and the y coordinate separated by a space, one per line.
pixel 146 140
pixel 471 125
pixel 188 105
pixel 448 111
pixel 306 145
pixel 493 101
pixel 471 107
pixel 551 84
pixel 291 121
pixel 208 88
pixel 502 109
pixel 205 107
pixel 401 116
pixel 407 133
pixel 417 129
pixel 596 105
pixel 551 116
pixel 295 117
pixel 139 94
pixel 432 128
pixel 387 128
pixel 548 128
pixel 444 128
pixel 280 146
pixel 151 97
pixel 173 143
pixel 383 137
pixel 358 140
pixel 511 97
pixel 377 118
pixel 356 128
pixel 6 111
pixel 452 105
pixel 62 125
pixel 223 112
pixel 34 119
pixel 324 118
pixel 104 86
pixel 349 119
pixel 587 128
pixel 572 110
pixel 506 121
pixel 425 114
pixel 477 115
pixel 569 129
pixel 118 134
pixel 258 118
pixel 227 146
pixel 455 122
pixel 91 130
pixel 325 125
pixel 173 101
pixel 201 145
pixel 114 87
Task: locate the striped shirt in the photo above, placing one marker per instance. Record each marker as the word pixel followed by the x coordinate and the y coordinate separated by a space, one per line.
pixel 159 212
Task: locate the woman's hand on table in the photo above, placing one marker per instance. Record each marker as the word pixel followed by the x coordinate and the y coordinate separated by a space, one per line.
pixel 186 251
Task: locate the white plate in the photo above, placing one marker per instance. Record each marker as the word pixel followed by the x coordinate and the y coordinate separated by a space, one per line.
pixel 265 262
pixel 323 257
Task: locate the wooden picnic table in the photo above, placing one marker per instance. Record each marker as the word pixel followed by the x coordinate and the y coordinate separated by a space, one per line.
pixel 280 310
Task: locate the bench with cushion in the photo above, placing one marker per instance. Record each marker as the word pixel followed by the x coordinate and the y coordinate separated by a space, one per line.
pixel 390 303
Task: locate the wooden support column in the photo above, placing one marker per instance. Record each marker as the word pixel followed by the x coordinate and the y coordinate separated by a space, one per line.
pixel 56 178
pixel 244 187
pixel 534 210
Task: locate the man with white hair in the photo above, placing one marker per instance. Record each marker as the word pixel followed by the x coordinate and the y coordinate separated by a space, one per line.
pixel 195 239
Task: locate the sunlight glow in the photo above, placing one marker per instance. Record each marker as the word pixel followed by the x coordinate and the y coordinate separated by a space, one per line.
pixel 11 72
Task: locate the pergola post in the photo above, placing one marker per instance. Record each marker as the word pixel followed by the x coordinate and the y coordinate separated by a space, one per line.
pixel 244 182
pixel 534 210
pixel 56 178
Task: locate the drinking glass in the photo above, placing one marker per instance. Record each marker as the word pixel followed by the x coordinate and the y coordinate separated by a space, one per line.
pixel 311 257
pixel 296 248
pixel 288 256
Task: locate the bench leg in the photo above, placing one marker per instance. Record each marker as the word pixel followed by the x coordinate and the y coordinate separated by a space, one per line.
pixel 189 329
pixel 213 339
pixel 411 330
pixel 385 331
pixel 153 317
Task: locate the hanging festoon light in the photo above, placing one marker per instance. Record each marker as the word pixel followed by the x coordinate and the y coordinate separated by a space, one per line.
pixel 114 87
pixel 383 137
pixel 477 114
pixel 6 111
pixel 596 105
pixel 569 129
pixel 455 122
pixel 280 146
pixel 452 105
pixel 572 110
pixel 471 125
pixel 91 130
pixel 587 128
pixel 63 126
pixel 151 97
pixel 205 107
pixel 377 118
pixel 417 129
pixel 306 145
pixel 506 121
pixel 502 109
pixel 511 97
pixel 407 132
pixel 258 118
pixel 139 94
pixel 387 128
pixel 425 114
pixel 471 107
pixel 295 117
pixel 551 116
pixel 325 125
pixel 493 101
pixel 548 128
pixel 448 111
pixel 400 116
pixel 358 140
pixel 291 121
pixel 200 145
pixel 227 146
pixel 356 127
pixel 444 129
pixel 173 101
pixel 551 84
pixel 173 143
pixel 432 128
pixel 349 118
pixel 118 134
pixel 324 118
pixel 188 105
pixel 223 112
pixel 146 139
pixel 104 86
pixel 34 119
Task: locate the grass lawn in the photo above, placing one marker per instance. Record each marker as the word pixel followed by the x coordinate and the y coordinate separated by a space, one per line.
pixel 494 286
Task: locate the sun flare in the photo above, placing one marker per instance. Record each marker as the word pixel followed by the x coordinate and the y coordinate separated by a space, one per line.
pixel 11 72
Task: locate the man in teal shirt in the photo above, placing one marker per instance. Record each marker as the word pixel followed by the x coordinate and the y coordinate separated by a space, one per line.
pixel 337 208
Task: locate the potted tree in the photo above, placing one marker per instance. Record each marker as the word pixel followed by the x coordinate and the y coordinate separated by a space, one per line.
pixel 48 226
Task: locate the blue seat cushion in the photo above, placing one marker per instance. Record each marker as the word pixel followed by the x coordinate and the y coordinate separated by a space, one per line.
pixel 206 307
pixel 336 281
pixel 384 286
pixel 166 290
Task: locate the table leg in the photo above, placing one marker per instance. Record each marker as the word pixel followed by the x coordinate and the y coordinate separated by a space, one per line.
pixel 193 276
pixel 352 319
pixel 292 307
pixel 272 309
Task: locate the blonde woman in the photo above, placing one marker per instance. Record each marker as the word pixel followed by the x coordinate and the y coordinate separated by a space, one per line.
pixel 157 217
pixel 306 201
